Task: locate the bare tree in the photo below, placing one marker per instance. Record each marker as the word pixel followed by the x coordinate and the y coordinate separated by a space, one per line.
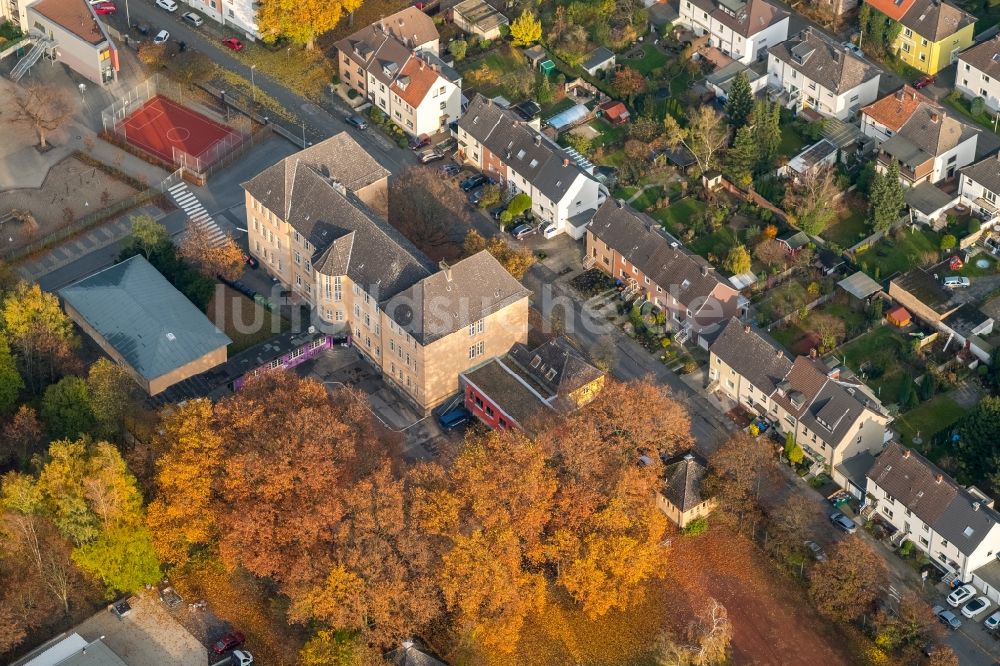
pixel 813 200
pixel 428 210
pixel 705 135
pixel 707 640
pixel 45 108
pixel 771 252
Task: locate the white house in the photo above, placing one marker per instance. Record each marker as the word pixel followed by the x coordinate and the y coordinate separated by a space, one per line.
pixel 421 99
pixel 810 71
pixel 70 32
pixel 916 132
pixel 980 187
pixel 978 73
pixel 563 191
pixel 240 15
pixel 739 29
pixel 957 527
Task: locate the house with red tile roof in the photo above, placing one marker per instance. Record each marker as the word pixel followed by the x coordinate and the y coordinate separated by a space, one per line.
pixel 394 63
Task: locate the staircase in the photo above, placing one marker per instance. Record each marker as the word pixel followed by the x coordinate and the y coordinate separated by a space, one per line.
pixel 196 212
pixel 41 45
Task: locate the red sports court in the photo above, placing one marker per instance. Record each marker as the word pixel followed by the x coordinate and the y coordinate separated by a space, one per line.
pixel 161 125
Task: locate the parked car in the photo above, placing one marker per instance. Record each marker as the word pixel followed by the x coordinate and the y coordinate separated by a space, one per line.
pixel 550 231
pixel 230 641
pixel 356 121
pixel 451 170
pixel 472 182
pixel 975 607
pixel 170 598
pixel 241 658
pixel 161 37
pixel 843 522
pixel 193 19
pixel 418 142
pixel 960 595
pixel 243 288
pixel 946 617
pixel 853 48
pixel 816 551
pixel 476 196
pixel 430 155
pixel 522 231
pixel 105 8
pixel 232 43
pixel 956 282
pixel 454 418
pixel 251 260
pixel 169 5
pixel 924 81
pixel 993 621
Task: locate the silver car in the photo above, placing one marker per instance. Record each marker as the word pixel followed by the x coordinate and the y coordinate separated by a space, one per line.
pixel 843 522
pixel 193 19
pixel 946 617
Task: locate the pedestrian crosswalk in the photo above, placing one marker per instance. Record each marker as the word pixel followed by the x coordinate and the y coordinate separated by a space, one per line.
pixel 196 212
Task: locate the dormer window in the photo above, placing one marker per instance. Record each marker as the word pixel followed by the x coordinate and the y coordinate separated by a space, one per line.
pixel 536 361
pixel 551 374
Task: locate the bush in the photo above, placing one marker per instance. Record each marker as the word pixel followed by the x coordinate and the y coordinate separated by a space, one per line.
pixel 696 527
pixel 906 549
pixel 458 49
pixel 974 226
pixel 978 106
pixel 352 93
pixel 948 242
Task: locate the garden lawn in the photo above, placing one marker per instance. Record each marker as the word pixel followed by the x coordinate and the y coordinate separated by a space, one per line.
pixel 850 229
pixel 971 270
pixel 716 244
pixel 890 256
pixel 791 142
pixel 677 215
pixel 611 135
pixel 928 418
pixel 652 58
pixel 647 198
pixel 239 308
pixel 793 338
pixel 884 352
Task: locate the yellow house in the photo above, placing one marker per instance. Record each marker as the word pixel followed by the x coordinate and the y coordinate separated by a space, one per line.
pixel 933 32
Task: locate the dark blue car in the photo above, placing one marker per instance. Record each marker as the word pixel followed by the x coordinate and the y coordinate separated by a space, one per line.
pixel 454 418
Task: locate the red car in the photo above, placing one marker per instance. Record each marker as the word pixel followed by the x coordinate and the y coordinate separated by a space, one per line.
pixel 233 43
pixel 105 8
pixel 230 641
pixel 924 82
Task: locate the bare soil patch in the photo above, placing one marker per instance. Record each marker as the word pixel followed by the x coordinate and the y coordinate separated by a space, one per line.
pixel 71 190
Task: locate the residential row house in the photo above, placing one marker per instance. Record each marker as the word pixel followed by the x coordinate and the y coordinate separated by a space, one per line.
pixel 978 73
pixel 979 188
pixel 394 63
pixel 932 32
pixel 831 418
pixel 502 144
pixel 526 388
pixel 957 527
pixel 742 30
pixel 633 248
pixel 928 144
pixel 810 71
pixel 313 226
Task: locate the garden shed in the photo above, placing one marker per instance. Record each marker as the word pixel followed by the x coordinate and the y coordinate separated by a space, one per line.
pixel 615 112
pixel 600 59
pixel 900 317
pixel 860 286
pixel 568 118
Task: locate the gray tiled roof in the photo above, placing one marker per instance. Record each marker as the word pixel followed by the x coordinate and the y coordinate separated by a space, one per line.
pixel 986 173
pixel 750 18
pixel 759 361
pixel 143 317
pixel 639 239
pixel 935 20
pixel 350 239
pixel 683 480
pixel 340 157
pixel 411 655
pixel 928 198
pixel 529 153
pixel 409 27
pixel 556 366
pixel 933 496
pixel 453 298
pixel 935 132
pixel 985 57
pixel 598 56
pixel 828 64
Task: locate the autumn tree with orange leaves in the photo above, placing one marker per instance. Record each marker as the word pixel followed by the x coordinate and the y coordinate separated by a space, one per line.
pixel 846 585
pixel 214 259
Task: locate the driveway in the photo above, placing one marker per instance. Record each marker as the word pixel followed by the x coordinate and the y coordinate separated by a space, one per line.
pixel 319 123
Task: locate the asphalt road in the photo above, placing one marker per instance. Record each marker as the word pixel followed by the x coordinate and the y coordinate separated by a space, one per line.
pixel 319 122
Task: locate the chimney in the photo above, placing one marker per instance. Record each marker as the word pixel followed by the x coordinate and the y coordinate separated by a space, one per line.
pixel 421 64
pixel 975 506
pixel 538 139
pixel 899 94
pixel 906 453
pixel 812 353
pixel 704 271
pixel 777 353
pixel 746 328
pixel 446 269
pixel 565 161
pixel 939 478
pixel 934 116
